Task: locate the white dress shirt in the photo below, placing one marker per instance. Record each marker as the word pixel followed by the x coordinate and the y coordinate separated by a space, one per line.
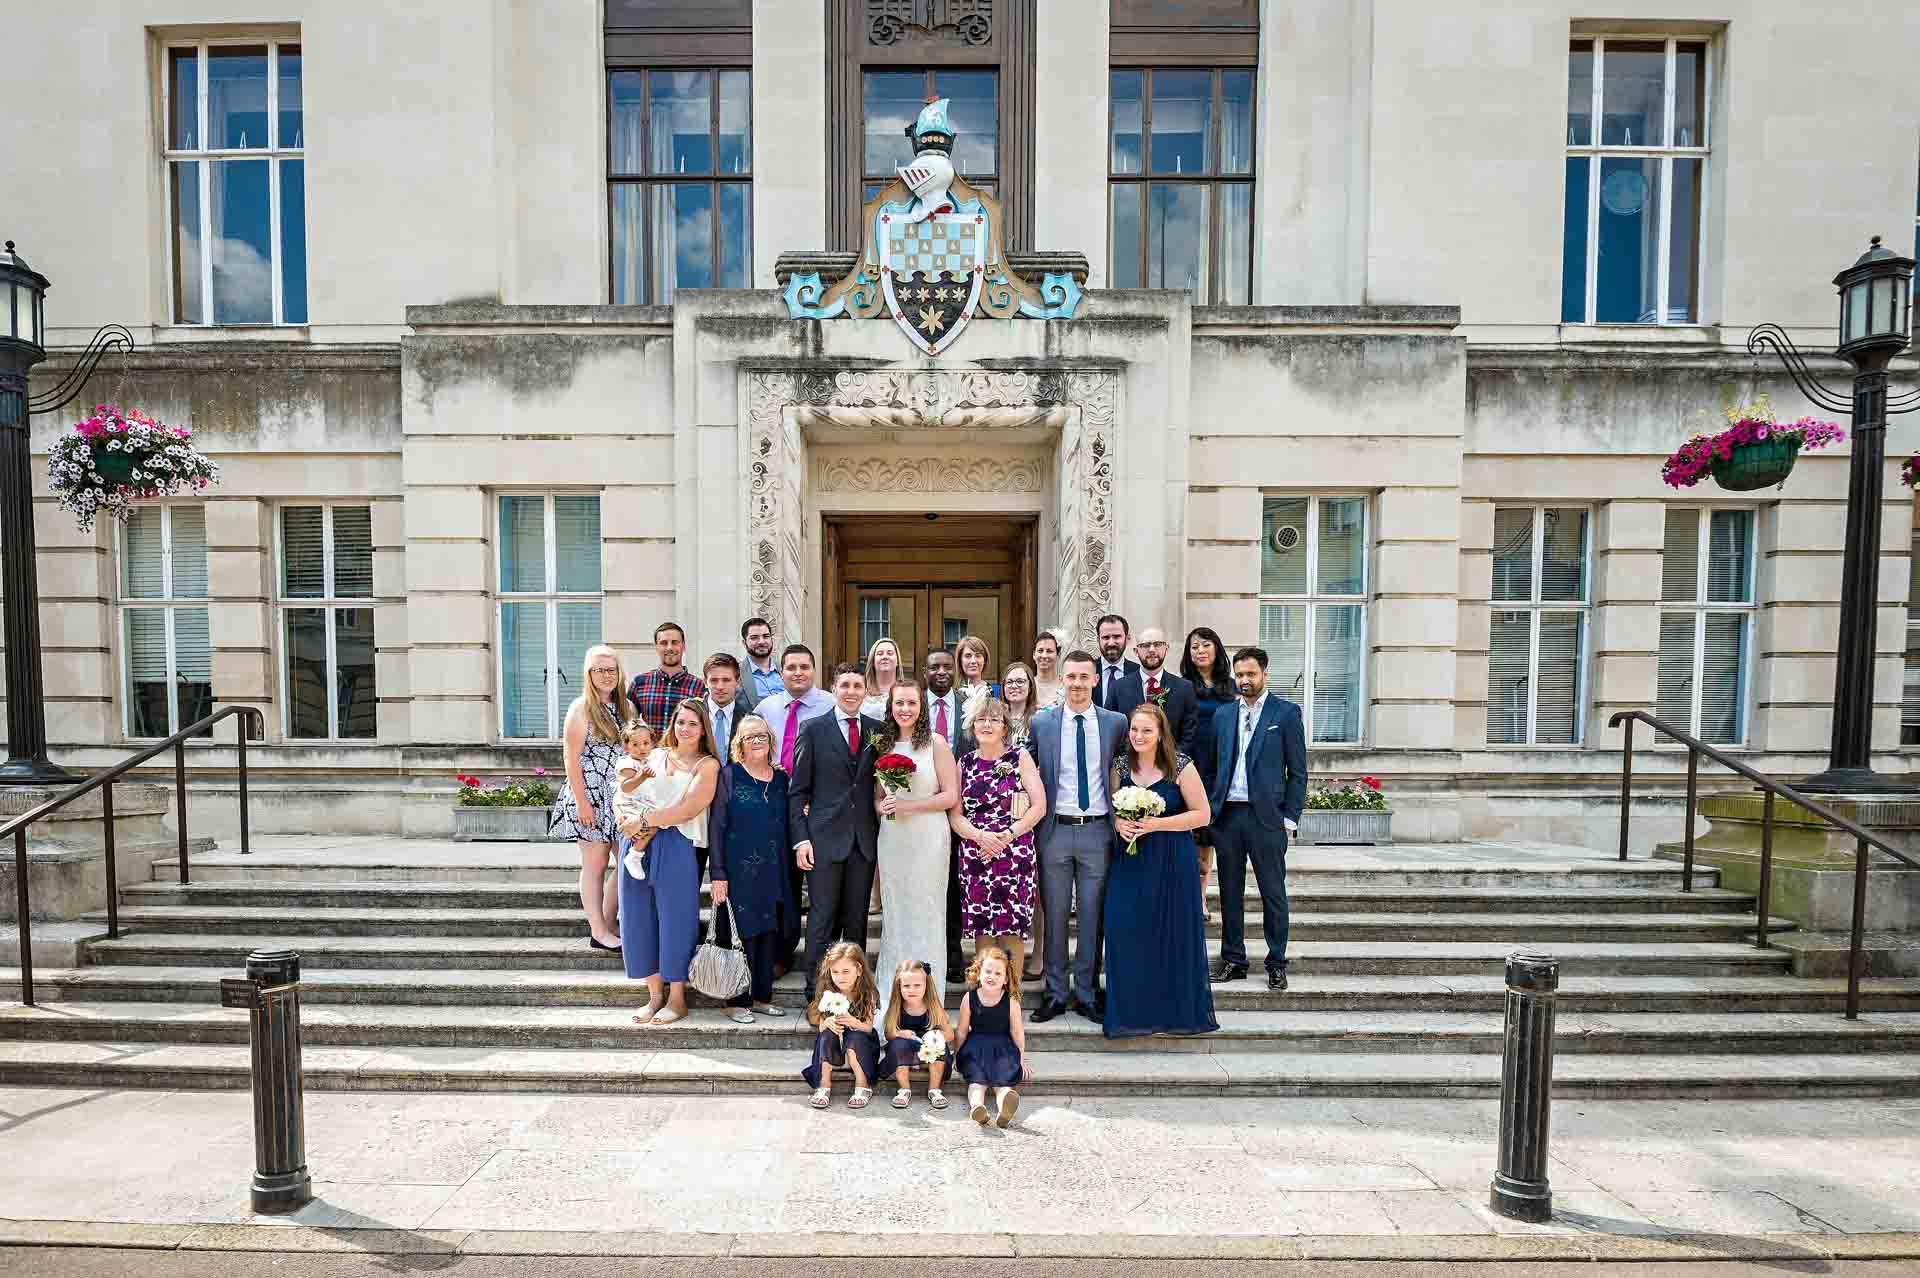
pixel 1249 720
pixel 1066 790
pixel 1111 672
pixel 952 704
pixel 725 719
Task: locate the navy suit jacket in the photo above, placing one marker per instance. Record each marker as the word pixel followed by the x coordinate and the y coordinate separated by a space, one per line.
pixel 1177 698
pixel 1276 762
pixel 1126 689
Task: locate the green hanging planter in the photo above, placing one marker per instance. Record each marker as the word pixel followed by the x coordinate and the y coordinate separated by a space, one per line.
pixel 1765 463
pixel 115 467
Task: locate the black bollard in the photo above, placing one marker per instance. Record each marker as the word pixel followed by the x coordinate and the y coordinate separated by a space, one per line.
pixel 271 994
pixel 1520 1190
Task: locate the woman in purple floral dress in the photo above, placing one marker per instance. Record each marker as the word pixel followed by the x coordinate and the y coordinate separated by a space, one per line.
pixel 1001 800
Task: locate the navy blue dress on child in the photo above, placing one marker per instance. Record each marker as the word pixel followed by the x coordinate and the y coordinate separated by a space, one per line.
pixel 830 1050
pixel 904 1052
pixel 989 1055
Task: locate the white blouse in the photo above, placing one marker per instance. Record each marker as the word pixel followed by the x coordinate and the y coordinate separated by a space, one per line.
pixel 668 786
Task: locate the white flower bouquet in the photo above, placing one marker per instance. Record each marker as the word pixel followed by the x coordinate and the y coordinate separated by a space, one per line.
pixel 833 1003
pixel 1137 803
pixel 933 1047
pixel 115 458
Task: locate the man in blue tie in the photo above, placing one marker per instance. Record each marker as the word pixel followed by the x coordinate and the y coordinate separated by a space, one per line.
pixel 1074 745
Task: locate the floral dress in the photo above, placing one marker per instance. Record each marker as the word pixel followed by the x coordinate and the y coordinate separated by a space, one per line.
pixel 597 761
pixel 997 893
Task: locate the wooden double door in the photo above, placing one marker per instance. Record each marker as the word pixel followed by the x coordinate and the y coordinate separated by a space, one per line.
pixel 926 583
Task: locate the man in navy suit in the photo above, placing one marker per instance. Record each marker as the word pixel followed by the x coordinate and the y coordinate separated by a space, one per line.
pixel 1257 791
pixel 1117 680
pixel 1156 683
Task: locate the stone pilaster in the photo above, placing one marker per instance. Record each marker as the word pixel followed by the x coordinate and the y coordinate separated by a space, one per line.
pixel 76 624
pixel 239 605
pixel 1223 562
pixel 391 673
pixel 1623 671
pixel 449 627
pixel 1473 625
pixel 1412 681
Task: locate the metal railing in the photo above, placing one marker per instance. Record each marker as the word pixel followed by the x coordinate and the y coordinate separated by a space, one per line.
pixel 103 782
pixel 1768 787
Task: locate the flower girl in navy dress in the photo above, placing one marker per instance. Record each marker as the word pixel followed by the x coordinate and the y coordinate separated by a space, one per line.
pixel 911 1015
pixel 992 1036
pixel 846 1039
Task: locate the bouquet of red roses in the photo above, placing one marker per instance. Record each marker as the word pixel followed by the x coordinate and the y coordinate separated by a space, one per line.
pixel 895 772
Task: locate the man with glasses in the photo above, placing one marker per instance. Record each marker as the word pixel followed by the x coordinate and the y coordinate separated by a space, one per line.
pixel 1155 683
pixel 655 693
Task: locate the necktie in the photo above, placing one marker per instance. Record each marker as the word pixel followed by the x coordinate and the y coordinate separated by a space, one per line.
pixel 853 735
pixel 720 732
pixel 791 736
pixel 940 717
pixel 1153 685
pixel 1113 681
pixel 1080 761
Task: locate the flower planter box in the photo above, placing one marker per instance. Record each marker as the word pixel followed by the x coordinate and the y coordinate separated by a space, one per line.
pixel 474 824
pixel 1345 825
pixel 1765 463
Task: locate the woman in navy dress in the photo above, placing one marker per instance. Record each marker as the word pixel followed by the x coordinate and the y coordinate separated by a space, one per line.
pixel 1204 665
pixel 1156 943
pixel 750 850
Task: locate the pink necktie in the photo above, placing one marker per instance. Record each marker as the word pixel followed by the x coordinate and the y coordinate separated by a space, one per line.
pixel 940 716
pixel 792 735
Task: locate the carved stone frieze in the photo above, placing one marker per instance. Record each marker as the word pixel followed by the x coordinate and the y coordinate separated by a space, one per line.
pixel 894 474
pixel 969 22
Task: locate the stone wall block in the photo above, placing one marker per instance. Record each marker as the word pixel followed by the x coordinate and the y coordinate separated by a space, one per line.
pixel 441 672
pixel 1416 568
pixel 1235 620
pixel 1420 514
pixel 447 566
pixel 434 512
pixel 1216 566
pixel 1224 514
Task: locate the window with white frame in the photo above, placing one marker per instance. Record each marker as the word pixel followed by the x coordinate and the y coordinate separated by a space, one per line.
pixel 1313 611
pixel 549 553
pixel 166 649
pixel 326 621
pixel 236 182
pixel 1706 623
pixel 1537 642
pixel 1637 148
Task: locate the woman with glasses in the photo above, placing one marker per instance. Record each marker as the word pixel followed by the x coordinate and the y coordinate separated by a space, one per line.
pixel 750 850
pixel 584 810
pixel 1001 801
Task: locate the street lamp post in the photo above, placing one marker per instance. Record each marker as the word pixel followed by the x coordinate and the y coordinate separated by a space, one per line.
pixel 1875 296
pixel 23 335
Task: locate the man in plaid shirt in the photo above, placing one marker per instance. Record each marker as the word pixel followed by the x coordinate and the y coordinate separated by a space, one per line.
pixel 656 693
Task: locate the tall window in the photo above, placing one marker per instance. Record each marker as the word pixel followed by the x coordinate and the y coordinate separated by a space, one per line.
pixel 1706 618
pixel 1313 612
pixel 165 644
pixel 680 181
pixel 1537 642
pixel 1180 182
pixel 549 606
pixel 326 628
pixel 1637 134
pixel 236 182
pixel 891 100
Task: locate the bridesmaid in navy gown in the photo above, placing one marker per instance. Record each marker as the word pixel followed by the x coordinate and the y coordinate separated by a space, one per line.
pixel 1156 941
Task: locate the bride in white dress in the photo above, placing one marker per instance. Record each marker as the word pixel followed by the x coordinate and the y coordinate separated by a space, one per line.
pixel 914 842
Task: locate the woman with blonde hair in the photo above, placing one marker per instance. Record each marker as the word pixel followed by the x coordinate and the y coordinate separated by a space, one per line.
pixel 974 660
pixel 584 810
pixel 883 668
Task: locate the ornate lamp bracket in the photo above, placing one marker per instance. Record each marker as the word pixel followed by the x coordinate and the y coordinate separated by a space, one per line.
pixel 107 338
pixel 1772 336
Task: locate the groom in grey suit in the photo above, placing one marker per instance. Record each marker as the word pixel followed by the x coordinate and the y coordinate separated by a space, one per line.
pixel 1074 745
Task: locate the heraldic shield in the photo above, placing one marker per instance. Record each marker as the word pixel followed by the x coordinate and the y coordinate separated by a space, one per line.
pixel 931 272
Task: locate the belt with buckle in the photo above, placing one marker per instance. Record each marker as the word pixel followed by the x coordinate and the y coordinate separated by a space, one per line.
pixel 1077 820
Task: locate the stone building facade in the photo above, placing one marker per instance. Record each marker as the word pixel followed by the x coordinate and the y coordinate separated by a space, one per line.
pixel 1376 365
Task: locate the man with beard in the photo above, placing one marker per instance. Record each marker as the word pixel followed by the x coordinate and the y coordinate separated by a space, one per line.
pixel 656 694
pixel 1161 686
pixel 762 673
pixel 1118 678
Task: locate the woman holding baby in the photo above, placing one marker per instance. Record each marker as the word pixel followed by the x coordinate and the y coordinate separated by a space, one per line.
pixel 660 883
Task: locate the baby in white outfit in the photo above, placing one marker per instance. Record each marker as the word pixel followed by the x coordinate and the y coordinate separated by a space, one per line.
pixel 630 802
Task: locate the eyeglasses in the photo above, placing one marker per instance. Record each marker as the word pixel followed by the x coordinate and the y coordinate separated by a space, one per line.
pixel 755 736
pixel 612 670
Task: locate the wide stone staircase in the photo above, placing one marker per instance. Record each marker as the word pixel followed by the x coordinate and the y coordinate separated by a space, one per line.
pixel 466 967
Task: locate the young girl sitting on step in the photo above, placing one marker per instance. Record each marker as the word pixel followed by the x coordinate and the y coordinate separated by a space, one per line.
pixel 992 1039
pixel 912 1013
pixel 846 1039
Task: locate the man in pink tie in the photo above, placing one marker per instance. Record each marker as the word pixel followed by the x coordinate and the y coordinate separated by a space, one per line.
pixel 785 711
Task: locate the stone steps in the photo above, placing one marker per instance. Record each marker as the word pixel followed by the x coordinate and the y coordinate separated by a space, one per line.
pixel 1162 1073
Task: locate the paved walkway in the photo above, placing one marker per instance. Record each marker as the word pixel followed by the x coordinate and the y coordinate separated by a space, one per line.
pixel 1076 1175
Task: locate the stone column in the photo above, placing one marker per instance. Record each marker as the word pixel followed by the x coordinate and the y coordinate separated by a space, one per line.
pixel 239 605
pixel 1474 625
pixel 1412 682
pixel 449 626
pixel 76 626
pixel 393 710
pixel 1628 539
pixel 790 130
pixel 1070 114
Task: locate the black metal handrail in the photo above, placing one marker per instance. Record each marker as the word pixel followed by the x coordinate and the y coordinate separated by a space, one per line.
pixel 1769 787
pixel 103 781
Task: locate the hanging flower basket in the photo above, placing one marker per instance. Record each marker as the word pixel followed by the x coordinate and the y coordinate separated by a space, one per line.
pixel 1754 451
pixel 115 458
pixel 1910 471
pixel 1764 464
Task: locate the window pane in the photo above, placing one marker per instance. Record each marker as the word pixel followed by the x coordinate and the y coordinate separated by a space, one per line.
pixel 579 627
pixel 1633 100
pixel 1343 546
pixel 1557 702
pixel 1236 121
pixel 1509 650
pixel 1513 554
pixel 891 100
pixel 975 116
pixel 1629 274
pixel 192 667
pixel 1680 558
pixel 1729 534
pixel 306 640
pixel 147 676
pixel 624 113
pixel 303 566
pixel 736 235
pixel 1580 94
pixel 353 552
pixel 679 122
pixel 1236 243
pixel 142 561
pixel 237 95
pixel 1563 557
pixel 189 303
pixel 353 662
pixel 242 243
pixel 1283 546
pixel 736 115
pixel 576 530
pixel 1283 633
pixel 1573 242
pixel 1683 249
pixel 1724 670
pixel 875 613
pixel 1182 123
pixel 292 116
pixel 1690 95
pixel 1123 235
pixel 293 241
pixel 1337 650
pixel 629 289
pixel 1674 692
pixel 183 106
pixel 523 670
pixel 523 544
pixel 1177 237
pixel 1124 152
pixel 189 529
pixel 682 255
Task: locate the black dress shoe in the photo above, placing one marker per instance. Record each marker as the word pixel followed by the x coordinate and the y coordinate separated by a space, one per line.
pixel 1049 1010
pixel 594 941
pixel 1093 1011
pixel 1277 981
pixel 1225 971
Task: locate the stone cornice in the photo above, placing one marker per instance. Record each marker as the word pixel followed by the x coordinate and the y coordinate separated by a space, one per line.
pixel 231 357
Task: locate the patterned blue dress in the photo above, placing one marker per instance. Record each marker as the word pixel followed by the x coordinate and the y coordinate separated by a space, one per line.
pixel 596 769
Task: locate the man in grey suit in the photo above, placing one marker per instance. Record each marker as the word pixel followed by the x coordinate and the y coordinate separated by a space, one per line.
pixel 1074 744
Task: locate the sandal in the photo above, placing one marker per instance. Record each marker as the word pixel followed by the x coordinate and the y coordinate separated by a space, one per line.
pixel 646 1018
pixel 902 1098
pixel 936 1098
pixel 771 1009
pixel 740 1016
pixel 860 1097
pixel 821 1095
pixel 665 1016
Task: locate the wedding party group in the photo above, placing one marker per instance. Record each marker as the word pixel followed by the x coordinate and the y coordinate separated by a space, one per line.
pixel 1063 815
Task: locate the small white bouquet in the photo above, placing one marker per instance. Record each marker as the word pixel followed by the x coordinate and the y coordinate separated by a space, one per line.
pixel 933 1047
pixel 1137 803
pixel 833 1003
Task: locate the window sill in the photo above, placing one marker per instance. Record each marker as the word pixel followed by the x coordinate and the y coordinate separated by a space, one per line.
pixel 183 334
pixel 1640 334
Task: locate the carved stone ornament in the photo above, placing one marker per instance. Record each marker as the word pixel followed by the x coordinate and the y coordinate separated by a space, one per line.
pixel 890 473
pixel 968 22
